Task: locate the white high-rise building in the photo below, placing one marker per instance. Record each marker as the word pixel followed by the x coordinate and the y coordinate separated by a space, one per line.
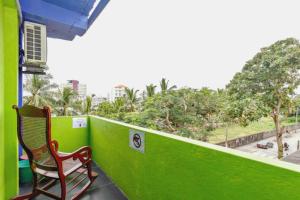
pixel 118 91
pixel 82 90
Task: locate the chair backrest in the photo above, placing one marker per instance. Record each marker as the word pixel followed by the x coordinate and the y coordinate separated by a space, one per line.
pixel 34 134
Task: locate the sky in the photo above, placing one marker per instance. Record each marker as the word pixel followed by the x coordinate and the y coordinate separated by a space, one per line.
pixel 192 43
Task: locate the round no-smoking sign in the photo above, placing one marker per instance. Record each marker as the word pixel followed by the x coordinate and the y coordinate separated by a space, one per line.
pixel 137 140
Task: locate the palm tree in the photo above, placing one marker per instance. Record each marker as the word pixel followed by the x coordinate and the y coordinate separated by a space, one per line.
pixel 88 104
pixel 164 85
pixel 131 98
pixel 118 104
pixel 65 101
pixel 40 89
pixel 150 90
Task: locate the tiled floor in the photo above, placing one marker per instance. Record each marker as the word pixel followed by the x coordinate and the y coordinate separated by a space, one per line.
pixel 102 189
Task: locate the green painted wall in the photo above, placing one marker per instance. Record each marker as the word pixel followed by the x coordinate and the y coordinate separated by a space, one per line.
pixel 176 168
pixel 69 138
pixel 2 189
pixel 8 97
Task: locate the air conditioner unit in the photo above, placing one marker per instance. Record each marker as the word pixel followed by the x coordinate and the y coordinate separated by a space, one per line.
pixel 35 44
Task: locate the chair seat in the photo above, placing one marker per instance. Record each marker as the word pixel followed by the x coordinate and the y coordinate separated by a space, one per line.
pixel 69 166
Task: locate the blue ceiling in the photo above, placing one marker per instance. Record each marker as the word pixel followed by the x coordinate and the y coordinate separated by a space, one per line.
pixel 80 6
pixel 64 18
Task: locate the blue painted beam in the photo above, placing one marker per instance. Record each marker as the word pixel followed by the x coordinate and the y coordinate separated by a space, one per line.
pixel 61 23
pixel 64 18
pixel 99 8
pixel 81 6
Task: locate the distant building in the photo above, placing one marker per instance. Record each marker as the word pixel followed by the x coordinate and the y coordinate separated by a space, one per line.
pixel 80 89
pixel 118 91
pixel 97 100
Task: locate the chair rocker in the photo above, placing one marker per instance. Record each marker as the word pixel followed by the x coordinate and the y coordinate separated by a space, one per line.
pixel 49 166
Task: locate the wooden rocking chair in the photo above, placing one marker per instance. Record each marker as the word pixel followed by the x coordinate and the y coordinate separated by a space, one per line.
pixel 49 166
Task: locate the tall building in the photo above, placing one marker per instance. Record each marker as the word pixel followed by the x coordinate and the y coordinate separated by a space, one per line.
pixel 118 91
pixel 80 89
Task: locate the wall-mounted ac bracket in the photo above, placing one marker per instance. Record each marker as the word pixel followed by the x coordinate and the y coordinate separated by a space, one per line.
pixel 33 69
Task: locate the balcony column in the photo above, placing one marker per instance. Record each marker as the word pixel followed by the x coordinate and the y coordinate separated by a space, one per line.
pixel 9 30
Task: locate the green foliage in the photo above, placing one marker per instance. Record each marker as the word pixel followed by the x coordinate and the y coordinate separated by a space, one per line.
pixel 164 86
pixel 245 111
pixel 87 104
pixel 235 130
pixel 114 110
pixel 105 109
pixel 66 102
pixel 187 112
pixel 294 106
pixel 119 105
pixel 264 87
pixel 40 89
pixel 131 99
pixel 150 90
pixel 267 83
pixel 271 77
pixel 290 120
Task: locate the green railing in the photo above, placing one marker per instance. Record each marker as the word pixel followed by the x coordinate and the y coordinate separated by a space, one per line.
pixel 173 167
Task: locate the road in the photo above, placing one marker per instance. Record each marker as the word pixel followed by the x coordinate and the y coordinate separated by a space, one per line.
pixel 291 138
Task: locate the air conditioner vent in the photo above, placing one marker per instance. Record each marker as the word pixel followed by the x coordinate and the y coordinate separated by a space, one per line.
pixel 35 44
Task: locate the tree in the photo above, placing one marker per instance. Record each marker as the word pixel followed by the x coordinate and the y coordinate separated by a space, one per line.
pixel 87 105
pixel 267 83
pixel 40 89
pixel 105 109
pixel 131 98
pixel 207 105
pixel 65 101
pixel 150 90
pixel 234 112
pixel 186 112
pixel 174 112
pixel 114 110
pixel 119 104
pixel 164 86
pixel 159 112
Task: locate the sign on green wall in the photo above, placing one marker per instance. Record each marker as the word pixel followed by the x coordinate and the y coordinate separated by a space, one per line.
pixel 137 140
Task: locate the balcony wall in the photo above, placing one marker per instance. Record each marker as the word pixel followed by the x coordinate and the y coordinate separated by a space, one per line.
pixel 69 138
pixel 8 96
pixel 173 167
pixel 178 168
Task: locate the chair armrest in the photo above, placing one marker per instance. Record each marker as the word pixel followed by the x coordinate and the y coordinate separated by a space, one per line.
pixel 55 144
pixel 84 154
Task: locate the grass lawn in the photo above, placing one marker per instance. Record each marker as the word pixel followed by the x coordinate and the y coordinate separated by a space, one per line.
pixel 235 131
